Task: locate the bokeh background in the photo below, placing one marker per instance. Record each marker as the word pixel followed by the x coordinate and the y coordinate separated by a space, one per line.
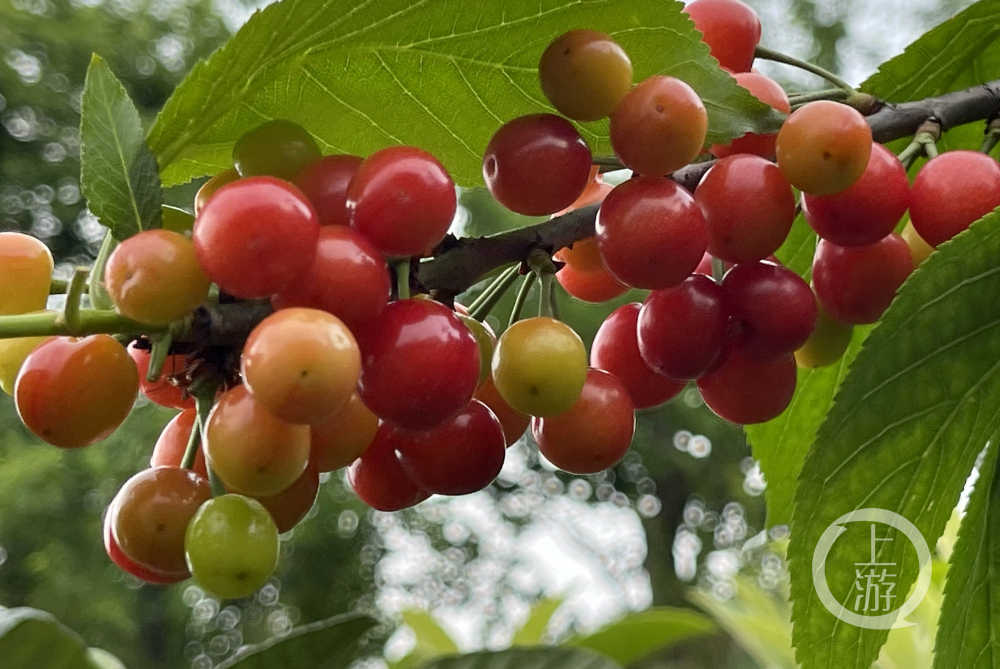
pixel 670 520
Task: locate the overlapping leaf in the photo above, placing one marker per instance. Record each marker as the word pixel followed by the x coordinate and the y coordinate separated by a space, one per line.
pixel 442 74
pixel 640 634
pixel 327 644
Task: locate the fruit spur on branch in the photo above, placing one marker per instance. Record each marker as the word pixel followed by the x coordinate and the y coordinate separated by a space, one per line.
pixel 335 365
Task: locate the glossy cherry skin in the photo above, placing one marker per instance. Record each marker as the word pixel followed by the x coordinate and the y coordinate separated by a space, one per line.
pixel 25 273
pixel 13 353
pixel 172 442
pixel 419 364
pixel 868 210
pixel 403 200
pixel 150 515
pixel 826 345
pixel 770 93
pixel 74 392
pixel 536 164
pixel 745 391
pixel 256 236
pixel 595 433
pixel 342 438
pixel 291 505
pixel 583 255
pixel 951 192
pixel 650 233
pixel 730 28
pixel 585 74
pixel 277 148
pixel 514 423
pixel 302 365
pixel 823 147
pixel 856 284
pixel 458 457
pixel 127 565
pixel 324 182
pixel 772 310
pixel 919 248
pixel 210 187
pixel 597 286
pixel 170 389
pixel 659 127
pixel 748 208
pixel 249 449
pixel 379 480
pixel 348 279
pixel 616 350
pixel 682 330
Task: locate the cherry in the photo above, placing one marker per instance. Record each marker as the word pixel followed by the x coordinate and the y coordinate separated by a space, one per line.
pixel 597 286
pixel 823 147
pixel 770 93
pixel 127 565
pixel 343 437
pixel 13 353
pixel 826 345
pixel 585 74
pixel 249 449
pixel 682 330
pixel 210 187
pixel 419 364
pixel 582 255
pixel 539 366
pixel 537 164
pixel 379 480
pixel 868 210
pixel 256 236
pixel 748 208
pixel 616 350
pixel 650 233
pixel 659 127
pixel 324 182
pixel 170 389
pixel 730 28
pixel 301 364
pixel 486 341
pixel 920 249
pixel 403 200
pixel 231 546
pixel 73 392
pixel 277 148
pixel 514 423
pixel 458 457
pixel 772 309
pixel 291 505
pixel 25 274
pixel 951 192
pixel 172 443
pixel 856 284
pixel 745 391
pixel 595 433
pixel 151 512
pixel 348 278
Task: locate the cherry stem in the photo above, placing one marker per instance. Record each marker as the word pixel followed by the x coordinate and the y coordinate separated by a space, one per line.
pixel 194 442
pixel 74 292
pixel 489 298
pixel 718 269
pixel 401 269
pixel 800 99
pixel 992 137
pixel 98 293
pixel 768 54
pixel 610 162
pixel 58 286
pixel 522 297
pixel 87 322
pixel 158 355
pixel 540 263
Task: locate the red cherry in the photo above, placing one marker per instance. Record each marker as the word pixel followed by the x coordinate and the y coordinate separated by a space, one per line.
pixel 769 92
pixel 595 433
pixel 173 441
pixel 616 350
pixel 745 391
pixel 325 182
pixel 419 364
pixel 731 30
pixel 953 191
pixel 170 389
pixel 597 286
pixel 458 457
pixel 379 480
pixel 856 284
pixel 403 200
pixel 124 563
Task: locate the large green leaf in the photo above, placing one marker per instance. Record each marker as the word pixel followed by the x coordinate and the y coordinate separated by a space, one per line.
pixel 118 173
pixel 961 52
pixel 327 644
pixel 443 74
pixel 781 445
pixel 640 634
pixel 920 402
pixel 30 639
pixel 526 658
pixel 970 616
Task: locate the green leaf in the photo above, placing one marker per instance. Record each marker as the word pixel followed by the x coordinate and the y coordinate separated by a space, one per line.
pixel 534 627
pixel 970 616
pixel 781 445
pixel 432 640
pixel 442 74
pixel 327 644
pixel 30 639
pixel 640 634
pixel 118 173
pixel 526 658
pixel 961 52
pixel 796 253
pixel 920 402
